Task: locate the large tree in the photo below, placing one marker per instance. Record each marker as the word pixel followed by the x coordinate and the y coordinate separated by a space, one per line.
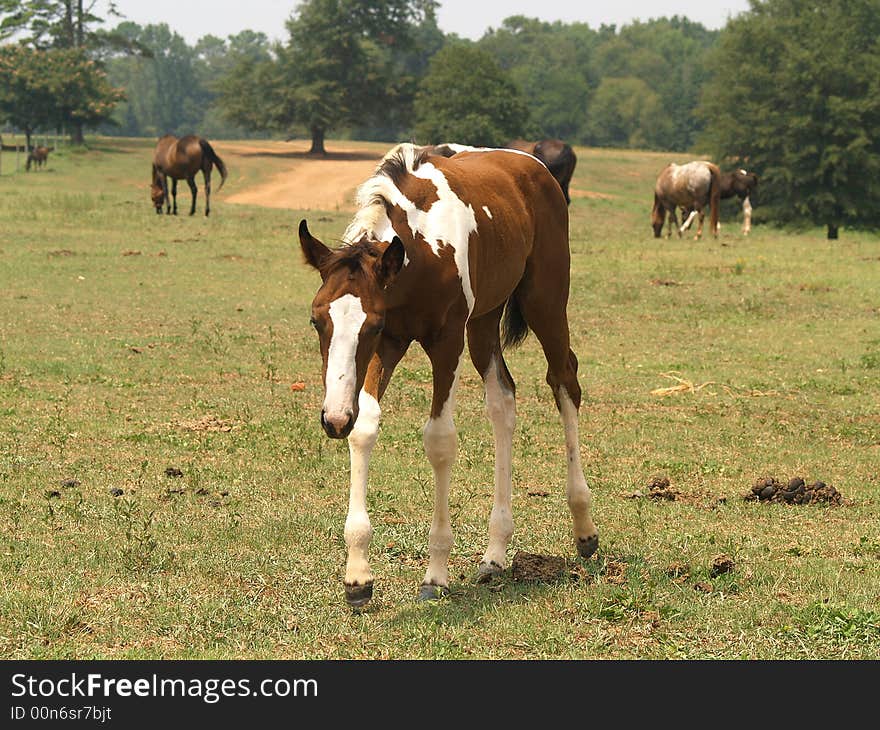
pixel 338 67
pixel 25 97
pixel 467 98
pixel 796 96
pixel 53 87
pixel 72 26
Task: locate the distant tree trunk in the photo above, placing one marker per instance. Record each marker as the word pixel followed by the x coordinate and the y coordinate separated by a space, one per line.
pixel 832 232
pixel 317 141
pixel 76 133
pixel 27 137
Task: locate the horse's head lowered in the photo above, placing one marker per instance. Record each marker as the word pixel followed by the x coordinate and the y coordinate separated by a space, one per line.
pixel 348 312
pixel 157 192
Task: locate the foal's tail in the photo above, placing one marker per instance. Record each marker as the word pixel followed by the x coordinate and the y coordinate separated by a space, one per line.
pixel 514 328
pixel 714 198
pixel 213 157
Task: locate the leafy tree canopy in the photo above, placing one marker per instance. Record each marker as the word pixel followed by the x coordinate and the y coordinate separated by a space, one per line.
pixel 467 98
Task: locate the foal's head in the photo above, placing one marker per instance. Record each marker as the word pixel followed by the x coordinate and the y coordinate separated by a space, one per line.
pixel 348 312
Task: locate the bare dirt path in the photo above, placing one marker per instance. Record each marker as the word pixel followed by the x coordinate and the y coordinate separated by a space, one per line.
pixel 304 182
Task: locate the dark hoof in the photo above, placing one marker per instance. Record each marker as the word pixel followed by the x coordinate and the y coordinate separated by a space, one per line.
pixel 432 593
pixel 488 571
pixel 588 545
pixel 358 595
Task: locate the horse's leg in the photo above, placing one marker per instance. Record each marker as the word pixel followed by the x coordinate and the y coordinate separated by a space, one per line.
pixel 702 215
pixel 673 221
pixel 167 196
pixel 747 216
pixel 358 531
pixel 687 223
pixel 440 447
pixel 191 181
pixel 485 350
pixel 207 175
pixel 543 301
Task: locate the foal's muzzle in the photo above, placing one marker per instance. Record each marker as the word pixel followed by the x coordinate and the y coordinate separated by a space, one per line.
pixel 338 427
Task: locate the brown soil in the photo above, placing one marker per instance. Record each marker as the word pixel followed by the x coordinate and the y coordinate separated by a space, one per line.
pixel 532 567
pixel 311 182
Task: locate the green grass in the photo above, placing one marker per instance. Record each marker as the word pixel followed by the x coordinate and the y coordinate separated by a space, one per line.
pixel 131 343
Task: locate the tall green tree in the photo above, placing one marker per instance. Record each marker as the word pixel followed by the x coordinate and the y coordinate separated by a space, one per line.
pixel 467 98
pixel 53 87
pixel 25 97
pixel 70 25
pixel 338 67
pixel 551 66
pixel 795 95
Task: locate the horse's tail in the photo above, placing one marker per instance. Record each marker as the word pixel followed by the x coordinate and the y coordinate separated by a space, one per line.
pixel 714 198
pixel 513 325
pixel 214 158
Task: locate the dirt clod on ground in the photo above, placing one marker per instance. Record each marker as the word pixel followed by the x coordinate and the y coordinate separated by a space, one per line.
pixel 703 587
pixel 679 572
pixel 70 483
pixel 795 491
pixel 721 564
pixel 173 472
pixel 659 489
pixel 116 492
pixel 533 567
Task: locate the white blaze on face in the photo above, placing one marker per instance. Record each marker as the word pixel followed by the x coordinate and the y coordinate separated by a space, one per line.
pixel 347 316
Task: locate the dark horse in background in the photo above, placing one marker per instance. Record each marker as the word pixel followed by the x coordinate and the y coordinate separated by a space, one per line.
pixel 181 159
pixel 693 187
pixel 742 184
pixel 557 155
pixel 37 156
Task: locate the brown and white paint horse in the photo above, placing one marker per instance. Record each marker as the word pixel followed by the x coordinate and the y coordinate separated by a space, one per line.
pixel 692 186
pixel 181 159
pixel 441 251
pixel 742 184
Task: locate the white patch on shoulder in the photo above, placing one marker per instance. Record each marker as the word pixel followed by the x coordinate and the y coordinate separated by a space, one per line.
pixel 449 221
pixel 487 211
pixel 347 316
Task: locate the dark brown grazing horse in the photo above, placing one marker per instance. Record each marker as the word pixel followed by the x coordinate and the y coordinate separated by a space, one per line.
pixel 556 154
pixel 693 186
pixel 37 156
pixel 742 184
pixel 442 251
pixel 181 159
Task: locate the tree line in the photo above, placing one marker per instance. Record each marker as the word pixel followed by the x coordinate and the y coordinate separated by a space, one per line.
pixel 789 88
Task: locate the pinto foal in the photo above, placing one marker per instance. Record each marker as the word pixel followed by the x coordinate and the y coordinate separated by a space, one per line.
pixel 472 247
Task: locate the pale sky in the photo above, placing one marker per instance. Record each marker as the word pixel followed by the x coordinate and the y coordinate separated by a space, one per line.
pixel 468 18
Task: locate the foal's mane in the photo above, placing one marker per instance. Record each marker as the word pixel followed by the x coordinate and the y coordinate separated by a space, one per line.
pixel 381 190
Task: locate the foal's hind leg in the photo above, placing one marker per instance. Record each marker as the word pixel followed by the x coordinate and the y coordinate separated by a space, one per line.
pixel 544 309
pixel 485 349
pixel 191 181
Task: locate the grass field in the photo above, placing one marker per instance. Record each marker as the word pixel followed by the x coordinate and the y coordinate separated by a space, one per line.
pixel 132 344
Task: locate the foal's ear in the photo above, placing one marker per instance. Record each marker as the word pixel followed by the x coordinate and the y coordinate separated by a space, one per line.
pixel 391 262
pixel 315 252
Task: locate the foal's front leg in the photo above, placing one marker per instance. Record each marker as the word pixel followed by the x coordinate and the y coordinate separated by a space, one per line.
pixel 361 440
